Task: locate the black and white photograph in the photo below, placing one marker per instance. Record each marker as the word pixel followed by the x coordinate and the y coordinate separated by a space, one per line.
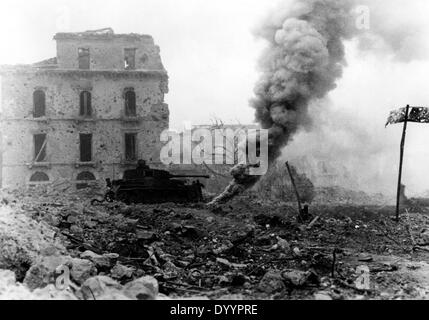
pixel 200 150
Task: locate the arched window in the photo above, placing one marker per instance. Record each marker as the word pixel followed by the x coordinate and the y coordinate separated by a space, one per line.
pixel 130 103
pixel 39 177
pixel 84 176
pixel 39 102
pixel 85 104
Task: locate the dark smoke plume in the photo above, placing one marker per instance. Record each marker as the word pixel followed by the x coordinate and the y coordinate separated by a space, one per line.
pixel 304 58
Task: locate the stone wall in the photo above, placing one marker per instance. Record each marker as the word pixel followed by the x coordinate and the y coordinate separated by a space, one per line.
pixel 63 125
pixel 107 53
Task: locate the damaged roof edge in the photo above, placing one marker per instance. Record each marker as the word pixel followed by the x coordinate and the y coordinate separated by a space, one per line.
pixel 100 34
pixel 52 62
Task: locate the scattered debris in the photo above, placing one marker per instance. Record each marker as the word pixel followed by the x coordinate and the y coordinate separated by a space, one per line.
pixel 365 258
pixel 272 282
pixel 101 288
pixel 312 223
pixel 228 264
pixel 121 272
pixel 82 270
pixel 299 278
pixel 322 296
pixel 102 262
pixel 145 288
pixel 256 250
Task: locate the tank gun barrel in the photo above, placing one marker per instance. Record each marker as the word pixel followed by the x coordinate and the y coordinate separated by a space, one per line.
pixel 190 176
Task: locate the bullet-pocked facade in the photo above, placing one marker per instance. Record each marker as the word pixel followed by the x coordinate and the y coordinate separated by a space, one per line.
pixel 88 114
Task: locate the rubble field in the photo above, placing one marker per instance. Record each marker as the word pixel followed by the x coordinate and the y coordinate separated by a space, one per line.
pixel 248 249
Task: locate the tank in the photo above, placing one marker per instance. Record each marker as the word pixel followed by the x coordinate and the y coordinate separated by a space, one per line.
pixel 149 186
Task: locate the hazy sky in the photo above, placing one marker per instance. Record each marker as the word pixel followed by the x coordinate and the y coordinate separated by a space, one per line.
pixel 211 56
pixel 206 46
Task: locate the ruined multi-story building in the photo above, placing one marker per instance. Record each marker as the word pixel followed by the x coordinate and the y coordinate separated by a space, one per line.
pixel 85 115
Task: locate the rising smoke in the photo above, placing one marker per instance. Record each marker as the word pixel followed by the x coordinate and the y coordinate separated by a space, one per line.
pixel 347 134
pixel 304 59
pixel 302 62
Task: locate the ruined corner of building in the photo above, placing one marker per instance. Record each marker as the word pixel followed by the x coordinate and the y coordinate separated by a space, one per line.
pixel 85 115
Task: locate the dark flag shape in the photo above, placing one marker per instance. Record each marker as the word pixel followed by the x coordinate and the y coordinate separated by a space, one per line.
pixel 397 116
pixel 405 115
pixel 419 114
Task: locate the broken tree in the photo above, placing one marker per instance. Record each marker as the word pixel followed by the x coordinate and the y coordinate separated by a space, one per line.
pixel 302 211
